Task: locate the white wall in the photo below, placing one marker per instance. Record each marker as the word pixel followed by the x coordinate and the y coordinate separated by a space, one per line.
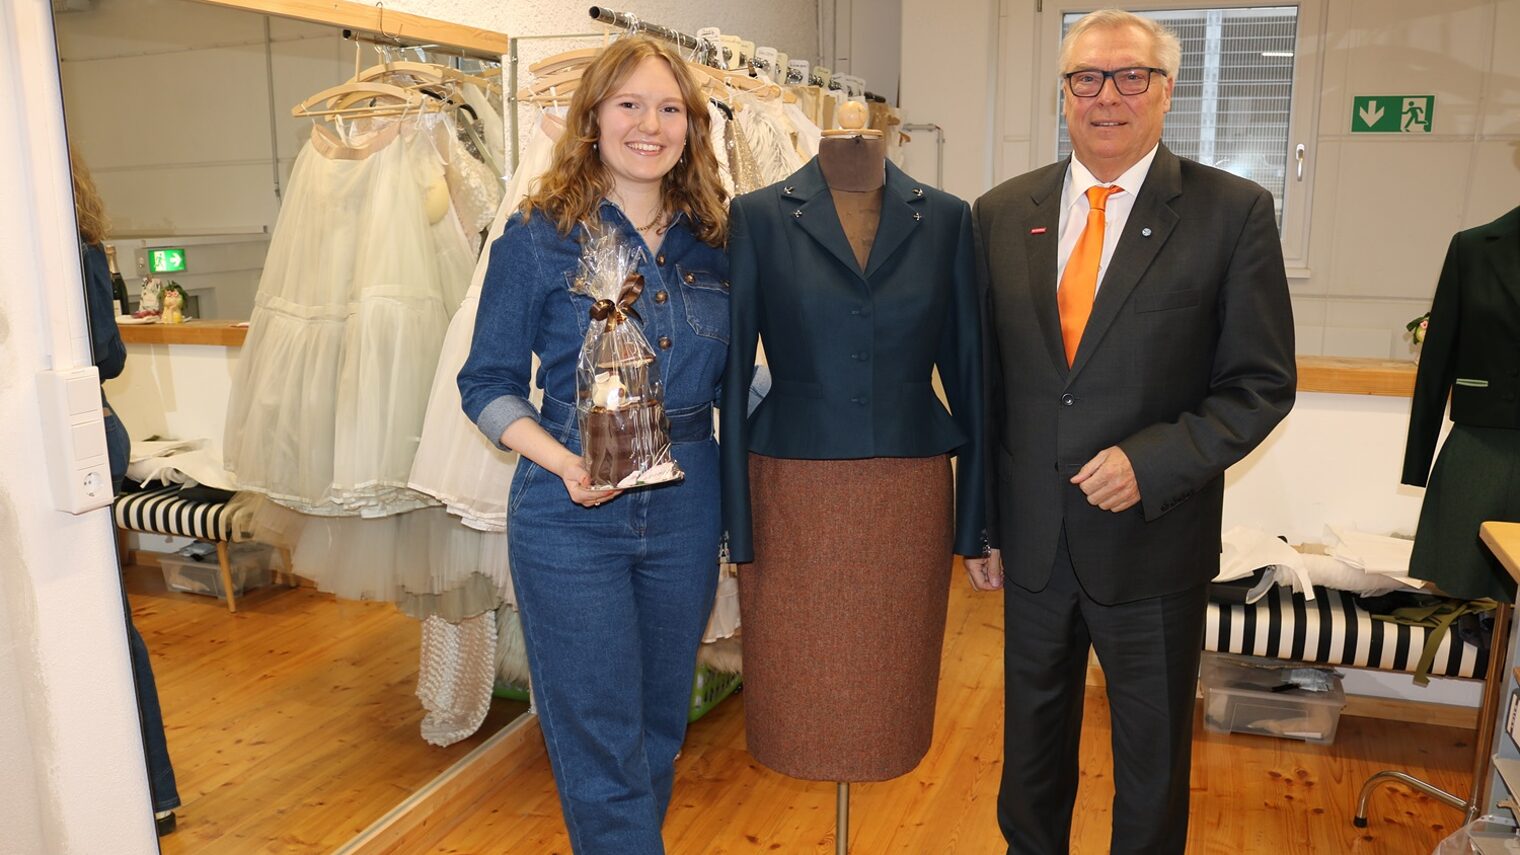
pixel 1384 207
pixel 71 763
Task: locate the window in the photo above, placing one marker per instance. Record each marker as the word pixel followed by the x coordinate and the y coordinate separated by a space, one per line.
pixel 1243 100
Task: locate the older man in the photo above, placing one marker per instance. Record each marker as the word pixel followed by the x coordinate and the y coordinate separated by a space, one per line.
pixel 1140 341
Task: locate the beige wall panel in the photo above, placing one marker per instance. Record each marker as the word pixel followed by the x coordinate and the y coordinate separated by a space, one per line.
pixel 132 27
pixel 188 199
pixel 959 96
pixel 1495 180
pixel 1345 341
pixel 1398 203
pixel 200 106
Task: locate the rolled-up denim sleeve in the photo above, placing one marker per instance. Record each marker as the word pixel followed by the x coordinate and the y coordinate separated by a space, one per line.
pixel 495 379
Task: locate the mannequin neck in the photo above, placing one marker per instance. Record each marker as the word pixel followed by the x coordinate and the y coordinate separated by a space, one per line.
pixel 853 164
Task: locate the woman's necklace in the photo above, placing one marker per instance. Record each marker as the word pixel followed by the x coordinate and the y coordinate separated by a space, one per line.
pixel 657 220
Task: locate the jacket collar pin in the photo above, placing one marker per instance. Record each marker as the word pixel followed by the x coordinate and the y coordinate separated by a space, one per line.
pixel 918 191
pixel 917 216
pixel 788 190
pixel 797 213
pixel 1145 232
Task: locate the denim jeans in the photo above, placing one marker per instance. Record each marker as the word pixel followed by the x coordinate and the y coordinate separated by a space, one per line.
pixel 614 600
pixel 155 745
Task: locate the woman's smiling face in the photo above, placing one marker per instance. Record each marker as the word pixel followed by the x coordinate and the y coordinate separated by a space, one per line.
pixel 642 127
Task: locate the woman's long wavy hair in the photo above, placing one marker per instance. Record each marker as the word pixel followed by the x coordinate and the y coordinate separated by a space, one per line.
pixel 577 180
pixel 88 209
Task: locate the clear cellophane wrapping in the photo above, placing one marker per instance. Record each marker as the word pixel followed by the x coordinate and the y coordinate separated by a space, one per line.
pixel 625 435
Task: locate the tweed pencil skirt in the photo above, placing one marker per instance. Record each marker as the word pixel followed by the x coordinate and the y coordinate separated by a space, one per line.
pixel 843 612
pixel 1476 478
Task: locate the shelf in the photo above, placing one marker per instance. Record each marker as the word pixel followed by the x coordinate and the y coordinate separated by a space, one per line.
pixel 222 333
pixel 1351 376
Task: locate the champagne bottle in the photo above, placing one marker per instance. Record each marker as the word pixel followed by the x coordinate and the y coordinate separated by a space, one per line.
pixel 118 285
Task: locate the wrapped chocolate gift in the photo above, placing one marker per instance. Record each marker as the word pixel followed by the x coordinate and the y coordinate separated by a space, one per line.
pixel 625 436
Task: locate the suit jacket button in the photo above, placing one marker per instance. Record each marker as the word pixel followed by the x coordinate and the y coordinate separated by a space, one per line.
pixel 664 342
pixel 1068 400
pixel 661 296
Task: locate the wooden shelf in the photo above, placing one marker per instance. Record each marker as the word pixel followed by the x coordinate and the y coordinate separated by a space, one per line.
pixel 374 21
pixel 1349 376
pixel 1504 539
pixel 222 333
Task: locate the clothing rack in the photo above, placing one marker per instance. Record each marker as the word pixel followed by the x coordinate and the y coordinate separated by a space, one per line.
pixel 706 51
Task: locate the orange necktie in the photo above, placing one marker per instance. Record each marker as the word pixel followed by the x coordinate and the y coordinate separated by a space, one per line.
pixel 1079 283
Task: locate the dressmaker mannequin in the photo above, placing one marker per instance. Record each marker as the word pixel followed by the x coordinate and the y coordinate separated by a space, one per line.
pixel 838 488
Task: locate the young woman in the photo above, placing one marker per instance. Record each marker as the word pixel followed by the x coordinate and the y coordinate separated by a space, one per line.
pixel 614 588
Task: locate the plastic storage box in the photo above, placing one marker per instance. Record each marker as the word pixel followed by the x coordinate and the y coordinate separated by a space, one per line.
pixel 250 564
pixel 1244 695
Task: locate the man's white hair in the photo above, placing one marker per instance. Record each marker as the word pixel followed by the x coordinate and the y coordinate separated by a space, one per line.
pixel 1168 49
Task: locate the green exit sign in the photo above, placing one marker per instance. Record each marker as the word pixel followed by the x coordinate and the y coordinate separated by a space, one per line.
pixel 166 259
pixel 1392 114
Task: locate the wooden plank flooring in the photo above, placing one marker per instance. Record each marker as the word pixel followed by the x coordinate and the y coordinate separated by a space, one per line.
pixel 292 725
pixel 1250 794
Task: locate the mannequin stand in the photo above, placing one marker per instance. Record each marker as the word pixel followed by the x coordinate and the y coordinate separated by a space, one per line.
pixel 842 820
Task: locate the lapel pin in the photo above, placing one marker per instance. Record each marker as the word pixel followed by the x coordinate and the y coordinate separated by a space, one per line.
pixel 917 216
pixel 797 213
pixel 918 191
pixel 1038 231
pixel 1146 232
pixel 786 190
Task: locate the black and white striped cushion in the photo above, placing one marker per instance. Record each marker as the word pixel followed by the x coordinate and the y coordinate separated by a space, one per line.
pixel 164 512
pixel 1331 630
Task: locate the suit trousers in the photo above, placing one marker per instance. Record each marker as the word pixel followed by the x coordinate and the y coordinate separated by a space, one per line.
pixel 1149 650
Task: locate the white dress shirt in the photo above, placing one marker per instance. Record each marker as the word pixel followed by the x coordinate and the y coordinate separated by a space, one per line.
pixel 1074 209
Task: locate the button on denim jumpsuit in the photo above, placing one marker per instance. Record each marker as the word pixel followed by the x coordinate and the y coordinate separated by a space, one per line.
pixel 613 598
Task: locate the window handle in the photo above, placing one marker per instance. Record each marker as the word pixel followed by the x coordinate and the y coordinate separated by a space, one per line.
pixel 1298 156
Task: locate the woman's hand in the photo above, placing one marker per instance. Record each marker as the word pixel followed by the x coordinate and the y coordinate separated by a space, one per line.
pixel 526 437
pixel 578 485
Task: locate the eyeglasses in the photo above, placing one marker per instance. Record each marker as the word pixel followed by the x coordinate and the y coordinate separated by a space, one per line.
pixel 1088 82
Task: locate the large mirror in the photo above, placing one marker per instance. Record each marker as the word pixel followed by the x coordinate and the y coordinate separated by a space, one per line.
pixel 293 718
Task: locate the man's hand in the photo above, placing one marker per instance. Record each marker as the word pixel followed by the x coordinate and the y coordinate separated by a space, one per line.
pixel 1109 481
pixel 986 574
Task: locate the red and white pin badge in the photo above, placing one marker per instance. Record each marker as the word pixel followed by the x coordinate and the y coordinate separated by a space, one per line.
pixel 1038 231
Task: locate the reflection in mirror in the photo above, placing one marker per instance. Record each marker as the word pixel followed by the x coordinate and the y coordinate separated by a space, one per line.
pixel 276 471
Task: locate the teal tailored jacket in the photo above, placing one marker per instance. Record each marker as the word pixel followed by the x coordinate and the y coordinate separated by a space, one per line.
pixel 1472 352
pixel 852 352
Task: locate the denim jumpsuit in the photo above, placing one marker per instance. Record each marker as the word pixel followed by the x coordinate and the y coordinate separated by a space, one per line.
pixel 613 598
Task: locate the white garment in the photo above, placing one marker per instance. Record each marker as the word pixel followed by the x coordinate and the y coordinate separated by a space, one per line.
pixel 455 463
pixel 768 134
pixel 806 133
pixel 353 303
pixel 475 191
pixel 455 698
pixel 1074 209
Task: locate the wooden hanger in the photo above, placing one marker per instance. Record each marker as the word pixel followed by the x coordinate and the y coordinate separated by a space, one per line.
pixel 577 58
pixel 334 100
pixel 562 83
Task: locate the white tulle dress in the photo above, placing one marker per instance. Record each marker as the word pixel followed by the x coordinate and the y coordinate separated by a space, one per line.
pixel 364 268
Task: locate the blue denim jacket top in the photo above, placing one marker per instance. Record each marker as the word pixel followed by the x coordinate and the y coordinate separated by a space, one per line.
pixel 526 307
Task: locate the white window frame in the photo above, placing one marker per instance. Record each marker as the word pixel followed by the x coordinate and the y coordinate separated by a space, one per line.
pixel 1298 192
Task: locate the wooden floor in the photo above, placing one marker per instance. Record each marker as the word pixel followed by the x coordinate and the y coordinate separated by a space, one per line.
pixel 293 724
pixel 1252 795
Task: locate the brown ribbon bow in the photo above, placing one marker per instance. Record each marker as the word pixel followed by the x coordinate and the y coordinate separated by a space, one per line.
pixel 616 313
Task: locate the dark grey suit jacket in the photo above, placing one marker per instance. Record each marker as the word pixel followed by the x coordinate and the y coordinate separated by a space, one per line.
pixel 852 352
pixel 1473 350
pixel 1186 364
